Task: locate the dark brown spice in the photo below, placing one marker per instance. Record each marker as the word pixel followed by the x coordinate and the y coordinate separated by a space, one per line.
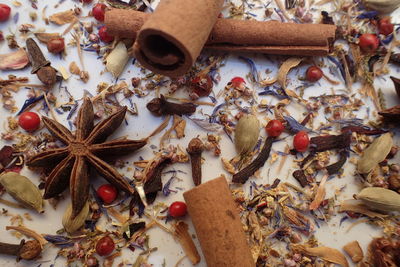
pixel 275 183
pixel 6 156
pixel 306 119
pixel 24 250
pixel 195 148
pixel 301 177
pixel 362 130
pixel 337 166
pixel 395 58
pixel 396 82
pixel 13 80
pixel 328 142
pixel 391 115
pixel 154 183
pixel 40 65
pixel 243 175
pixel 160 106
pixel 393 152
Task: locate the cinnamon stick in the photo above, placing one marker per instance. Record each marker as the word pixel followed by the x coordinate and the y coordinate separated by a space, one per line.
pixel 171 39
pixel 217 223
pixel 270 37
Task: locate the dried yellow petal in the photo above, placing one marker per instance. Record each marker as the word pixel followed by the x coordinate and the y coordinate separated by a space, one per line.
pixel 62 18
pixel 285 68
pixel 325 253
pixel 181 233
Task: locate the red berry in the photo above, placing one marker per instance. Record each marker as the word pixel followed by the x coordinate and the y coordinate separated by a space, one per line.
pixel 385 26
pixel 301 141
pixel 108 193
pixel 105 246
pixel 104 36
pixel 313 74
pixel 4 12
pixel 29 121
pixel 237 82
pixel 98 11
pixel 368 42
pixel 201 85
pixel 177 209
pixel 56 45
pixel 274 128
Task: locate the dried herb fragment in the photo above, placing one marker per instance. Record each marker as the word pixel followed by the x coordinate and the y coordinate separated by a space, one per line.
pixel 83 150
pixel 133 228
pixel 195 148
pixel 301 177
pixel 160 106
pixel 395 58
pixel 182 235
pixel 335 167
pixel 328 142
pixel 14 60
pixel 362 130
pixel 325 253
pixel 243 175
pixel 40 66
pixel 24 250
pixel 354 250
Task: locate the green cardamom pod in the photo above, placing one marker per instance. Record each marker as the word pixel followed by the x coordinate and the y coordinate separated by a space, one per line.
pixel 382 6
pixel 70 224
pixel 22 190
pixel 378 198
pixel 247 131
pixel 375 153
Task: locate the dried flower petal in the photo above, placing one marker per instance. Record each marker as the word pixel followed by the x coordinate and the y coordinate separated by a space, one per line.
pixel 14 60
pixel 319 197
pixel 285 68
pixel 64 17
pixel 358 207
pixel 325 253
pixel 44 37
pixel 182 234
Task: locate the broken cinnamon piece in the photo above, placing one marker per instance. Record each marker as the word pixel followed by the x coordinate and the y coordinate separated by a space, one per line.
pixel 335 167
pixel 301 177
pixel 362 130
pixel 391 115
pixel 354 250
pixel 243 175
pixel 270 37
pixel 160 106
pixel 217 223
pixel 328 142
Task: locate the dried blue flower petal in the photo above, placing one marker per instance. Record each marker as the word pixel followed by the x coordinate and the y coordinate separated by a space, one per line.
pixel 368 15
pixel 253 69
pixel 293 126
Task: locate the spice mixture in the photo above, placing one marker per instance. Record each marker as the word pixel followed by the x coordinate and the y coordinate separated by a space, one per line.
pixel 307 144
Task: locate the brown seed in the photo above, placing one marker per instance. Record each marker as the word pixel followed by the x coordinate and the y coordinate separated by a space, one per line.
pixel 394 182
pixel 30 250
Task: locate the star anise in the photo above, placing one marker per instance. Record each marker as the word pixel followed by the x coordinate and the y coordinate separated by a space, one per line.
pixel 84 149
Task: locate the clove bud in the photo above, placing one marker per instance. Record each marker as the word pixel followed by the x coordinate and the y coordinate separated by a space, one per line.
pixel 40 65
pixel 160 106
pixel 24 250
pixel 195 148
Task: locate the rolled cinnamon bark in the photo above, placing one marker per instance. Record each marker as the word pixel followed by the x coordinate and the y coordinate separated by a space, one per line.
pixel 171 39
pixel 217 224
pixel 270 37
